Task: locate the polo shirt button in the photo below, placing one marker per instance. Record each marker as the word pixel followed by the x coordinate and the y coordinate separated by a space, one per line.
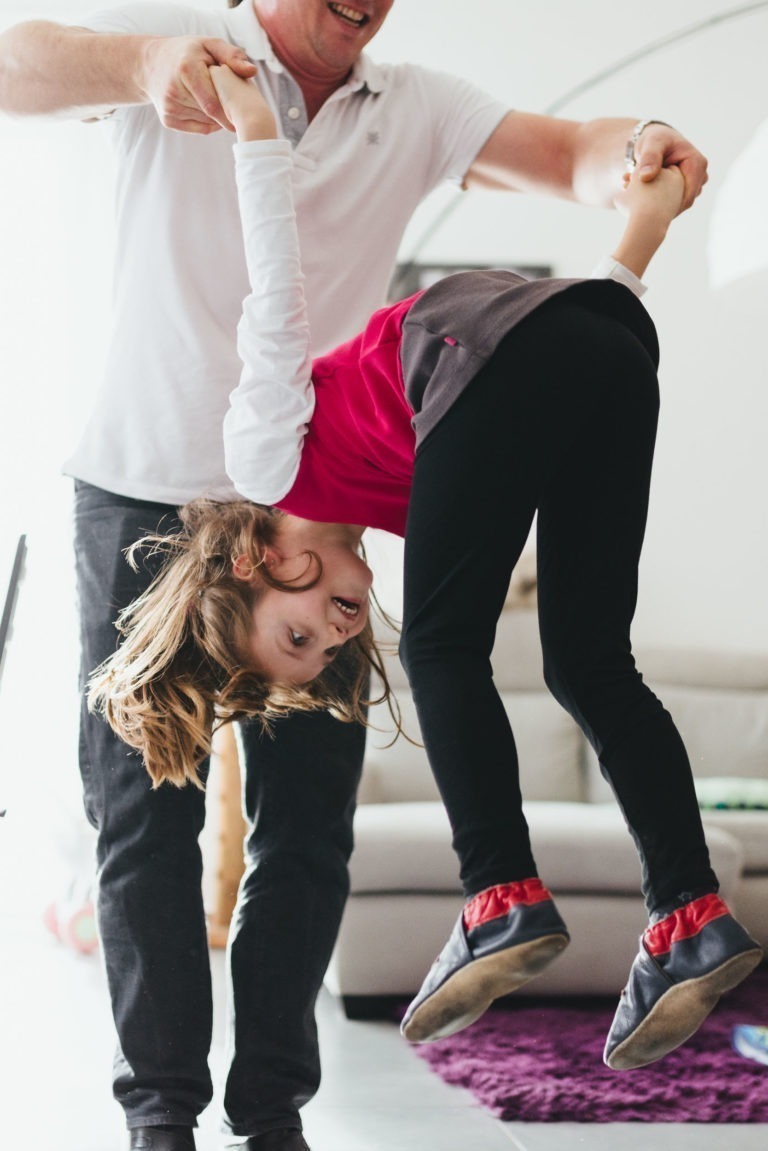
pixel 293 113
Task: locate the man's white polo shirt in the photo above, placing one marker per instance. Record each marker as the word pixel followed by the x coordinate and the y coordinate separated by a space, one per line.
pixel 375 149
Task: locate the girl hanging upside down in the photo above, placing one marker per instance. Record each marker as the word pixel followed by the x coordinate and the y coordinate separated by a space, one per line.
pixel 454 418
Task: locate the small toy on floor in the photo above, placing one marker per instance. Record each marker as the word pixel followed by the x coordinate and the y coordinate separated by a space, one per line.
pixel 751 1042
pixel 71 918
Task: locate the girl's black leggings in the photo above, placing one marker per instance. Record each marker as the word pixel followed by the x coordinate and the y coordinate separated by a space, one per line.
pixel 561 420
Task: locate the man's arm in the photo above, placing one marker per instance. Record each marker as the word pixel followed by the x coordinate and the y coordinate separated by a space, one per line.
pixel 53 69
pixel 581 161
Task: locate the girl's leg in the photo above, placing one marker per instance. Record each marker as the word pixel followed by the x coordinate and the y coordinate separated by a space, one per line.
pixel 471 509
pixel 592 514
pixel 474 494
pixel 563 418
pixel 592 511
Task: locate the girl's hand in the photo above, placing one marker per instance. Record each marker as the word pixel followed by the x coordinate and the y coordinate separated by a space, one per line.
pixel 660 199
pixel 244 105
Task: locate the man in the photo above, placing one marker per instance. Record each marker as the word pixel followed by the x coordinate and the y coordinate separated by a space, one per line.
pixel 154 441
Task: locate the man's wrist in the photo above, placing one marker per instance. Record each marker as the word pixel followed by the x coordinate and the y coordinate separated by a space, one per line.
pixel 146 49
pixel 630 159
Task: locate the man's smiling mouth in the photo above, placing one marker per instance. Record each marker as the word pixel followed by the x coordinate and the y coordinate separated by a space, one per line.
pixel 350 15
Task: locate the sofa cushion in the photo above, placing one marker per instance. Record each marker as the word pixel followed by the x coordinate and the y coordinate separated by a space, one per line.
pixel 707 668
pixel 549 747
pixel 403 847
pixel 725 732
pixel 580 848
pixel 751 830
pixel 587 847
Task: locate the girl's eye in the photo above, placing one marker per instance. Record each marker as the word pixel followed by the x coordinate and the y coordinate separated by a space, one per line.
pixel 297 639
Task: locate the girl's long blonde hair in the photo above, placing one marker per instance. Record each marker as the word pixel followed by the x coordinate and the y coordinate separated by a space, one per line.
pixel 182 667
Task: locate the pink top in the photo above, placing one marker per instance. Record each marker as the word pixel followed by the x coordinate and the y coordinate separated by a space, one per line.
pixel 357 459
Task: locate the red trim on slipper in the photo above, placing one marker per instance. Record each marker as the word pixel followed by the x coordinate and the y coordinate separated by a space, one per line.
pixel 684 923
pixel 497 901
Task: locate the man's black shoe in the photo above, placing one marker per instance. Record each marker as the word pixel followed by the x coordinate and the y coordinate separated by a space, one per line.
pixel 162 1139
pixel 286 1139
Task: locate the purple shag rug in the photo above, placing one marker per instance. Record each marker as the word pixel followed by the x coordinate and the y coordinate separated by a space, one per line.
pixel 541 1061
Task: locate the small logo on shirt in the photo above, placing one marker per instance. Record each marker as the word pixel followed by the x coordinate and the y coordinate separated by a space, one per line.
pixel 372 138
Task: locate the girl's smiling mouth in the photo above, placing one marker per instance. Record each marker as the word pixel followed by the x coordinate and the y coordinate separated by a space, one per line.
pixel 347 607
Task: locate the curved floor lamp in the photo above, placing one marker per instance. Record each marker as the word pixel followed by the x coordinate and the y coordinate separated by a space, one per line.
pixel 6 621
pixel 650 49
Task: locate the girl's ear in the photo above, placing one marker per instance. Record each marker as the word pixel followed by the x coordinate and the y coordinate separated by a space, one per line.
pixel 244 568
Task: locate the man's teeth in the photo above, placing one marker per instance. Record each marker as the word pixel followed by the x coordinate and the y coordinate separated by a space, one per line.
pixel 349 609
pixel 347 13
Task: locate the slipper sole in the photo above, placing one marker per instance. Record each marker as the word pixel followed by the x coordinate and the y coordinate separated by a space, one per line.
pixel 679 1013
pixel 467 994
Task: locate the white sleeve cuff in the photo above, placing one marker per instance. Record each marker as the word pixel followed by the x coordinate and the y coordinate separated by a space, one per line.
pixel 610 269
pixel 271 147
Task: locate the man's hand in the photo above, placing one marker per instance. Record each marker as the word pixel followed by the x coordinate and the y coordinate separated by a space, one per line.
pixel 660 147
pixel 177 80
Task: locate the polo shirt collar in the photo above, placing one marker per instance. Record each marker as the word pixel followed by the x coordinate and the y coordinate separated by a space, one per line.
pixel 252 38
pixel 367 74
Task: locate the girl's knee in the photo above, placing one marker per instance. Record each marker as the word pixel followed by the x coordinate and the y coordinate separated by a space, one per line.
pixel 578 679
pixel 562 681
pixel 414 650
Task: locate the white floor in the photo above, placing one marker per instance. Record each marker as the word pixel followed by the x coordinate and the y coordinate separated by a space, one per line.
pixel 377 1095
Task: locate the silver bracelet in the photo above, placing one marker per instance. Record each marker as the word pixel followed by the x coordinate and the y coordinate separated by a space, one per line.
pixel 630 160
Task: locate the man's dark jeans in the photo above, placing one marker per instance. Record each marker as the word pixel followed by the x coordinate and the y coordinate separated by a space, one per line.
pixel 299 798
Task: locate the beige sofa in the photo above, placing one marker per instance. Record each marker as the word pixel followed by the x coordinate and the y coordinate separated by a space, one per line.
pixel 405 893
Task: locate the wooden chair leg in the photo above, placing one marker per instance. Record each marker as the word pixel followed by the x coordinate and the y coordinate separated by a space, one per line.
pixel 225 810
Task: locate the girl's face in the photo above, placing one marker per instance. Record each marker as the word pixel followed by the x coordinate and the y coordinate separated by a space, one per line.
pixel 296 635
